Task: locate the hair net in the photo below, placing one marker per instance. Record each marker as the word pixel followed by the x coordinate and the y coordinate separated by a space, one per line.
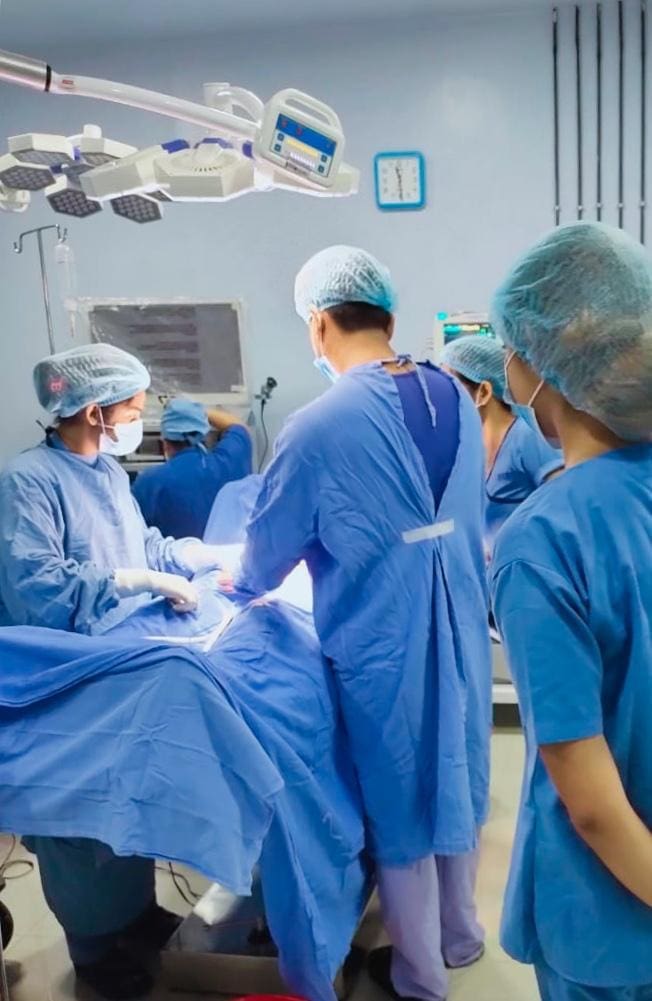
pixel 184 419
pixel 65 383
pixel 577 308
pixel 342 274
pixel 480 359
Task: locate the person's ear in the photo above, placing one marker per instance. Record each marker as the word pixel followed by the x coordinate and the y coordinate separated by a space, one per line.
pixel 316 325
pixel 93 415
pixel 484 394
pixel 391 328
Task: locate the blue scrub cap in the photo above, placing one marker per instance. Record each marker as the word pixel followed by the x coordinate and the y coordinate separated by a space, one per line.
pixel 65 383
pixel 480 359
pixel 577 307
pixel 342 274
pixel 184 419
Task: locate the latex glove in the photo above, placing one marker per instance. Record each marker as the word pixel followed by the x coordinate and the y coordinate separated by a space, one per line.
pixel 225 582
pixel 179 591
pixel 198 556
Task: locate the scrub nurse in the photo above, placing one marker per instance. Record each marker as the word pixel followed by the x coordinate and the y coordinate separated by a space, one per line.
pixel 378 486
pixel 177 497
pixel 518 459
pixel 572 586
pixel 75 554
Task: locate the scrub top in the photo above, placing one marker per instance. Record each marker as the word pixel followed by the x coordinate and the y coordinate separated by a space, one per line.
pixel 523 463
pixel 572 589
pixel 177 497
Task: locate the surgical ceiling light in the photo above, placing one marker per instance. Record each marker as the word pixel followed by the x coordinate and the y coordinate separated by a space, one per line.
pixel 293 142
pixel 66 197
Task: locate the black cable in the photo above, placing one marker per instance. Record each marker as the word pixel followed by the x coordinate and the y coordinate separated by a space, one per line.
pixel 621 114
pixel 578 86
pixel 643 188
pixel 555 59
pixel 263 425
pixel 598 159
pixel 8 863
pixel 188 894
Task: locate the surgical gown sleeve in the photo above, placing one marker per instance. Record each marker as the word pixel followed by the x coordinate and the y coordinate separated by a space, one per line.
pixel 40 585
pixel 283 522
pixel 551 650
pixel 165 554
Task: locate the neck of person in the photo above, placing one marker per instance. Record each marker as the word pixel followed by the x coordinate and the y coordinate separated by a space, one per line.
pixel 496 419
pixel 360 348
pixel 582 437
pixel 79 438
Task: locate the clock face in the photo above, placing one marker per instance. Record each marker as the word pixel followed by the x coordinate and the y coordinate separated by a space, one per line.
pixel 399 181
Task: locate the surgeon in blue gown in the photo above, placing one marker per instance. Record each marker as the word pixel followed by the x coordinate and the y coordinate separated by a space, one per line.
pixel 572 584
pixel 75 554
pixel 378 486
pixel 518 459
pixel 177 497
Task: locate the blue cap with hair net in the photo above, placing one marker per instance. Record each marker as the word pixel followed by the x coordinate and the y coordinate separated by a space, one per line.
pixel 577 307
pixel 342 274
pixel 184 419
pixel 480 359
pixel 67 382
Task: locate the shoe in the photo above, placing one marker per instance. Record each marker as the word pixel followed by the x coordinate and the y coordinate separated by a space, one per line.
pixel 153 929
pixel 379 968
pixel 116 976
pixel 470 962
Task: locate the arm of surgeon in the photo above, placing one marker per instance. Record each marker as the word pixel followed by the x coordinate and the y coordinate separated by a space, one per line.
pixel 587 780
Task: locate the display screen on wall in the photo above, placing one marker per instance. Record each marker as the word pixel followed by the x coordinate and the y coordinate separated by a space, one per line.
pixel 189 347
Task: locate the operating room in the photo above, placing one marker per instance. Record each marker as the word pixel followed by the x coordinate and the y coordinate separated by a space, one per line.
pixel 191 727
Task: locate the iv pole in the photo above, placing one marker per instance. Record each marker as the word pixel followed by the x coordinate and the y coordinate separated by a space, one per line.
pixel 18 247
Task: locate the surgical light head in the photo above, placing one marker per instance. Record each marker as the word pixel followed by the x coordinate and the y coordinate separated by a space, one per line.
pixel 37 148
pixel 23 176
pixel 137 208
pixel 67 198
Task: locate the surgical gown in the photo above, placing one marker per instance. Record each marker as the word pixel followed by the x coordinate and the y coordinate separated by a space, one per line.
pixel 66 523
pixel 524 461
pixel 400 607
pixel 230 514
pixel 177 497
pixel 572 585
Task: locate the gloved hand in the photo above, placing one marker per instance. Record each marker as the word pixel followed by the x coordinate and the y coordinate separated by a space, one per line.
pixel 198 556
pixel 179 591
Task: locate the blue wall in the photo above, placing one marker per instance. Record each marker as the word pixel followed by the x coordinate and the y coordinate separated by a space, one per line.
pixel 471 92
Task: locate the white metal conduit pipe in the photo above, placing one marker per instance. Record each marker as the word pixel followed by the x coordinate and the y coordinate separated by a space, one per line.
pixel 37 75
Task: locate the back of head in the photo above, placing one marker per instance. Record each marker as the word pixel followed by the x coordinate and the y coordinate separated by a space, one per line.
pixel 67 382
pixel 479 359
pixel 184 421
pixel 343 276
pixel 577 307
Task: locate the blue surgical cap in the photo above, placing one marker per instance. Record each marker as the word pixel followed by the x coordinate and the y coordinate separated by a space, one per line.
pixel 65 383
pixel 480 359
pixel 184 419
pixel 577 308
pixel 342 274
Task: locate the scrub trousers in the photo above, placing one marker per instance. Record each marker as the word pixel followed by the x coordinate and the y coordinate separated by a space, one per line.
pixel 553 987
pixel 430 917
pixel 93 893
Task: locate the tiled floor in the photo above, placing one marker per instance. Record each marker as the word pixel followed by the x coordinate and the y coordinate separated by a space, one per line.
pixel 39 969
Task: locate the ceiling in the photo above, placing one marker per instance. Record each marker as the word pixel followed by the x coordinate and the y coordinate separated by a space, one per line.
pixel 28 23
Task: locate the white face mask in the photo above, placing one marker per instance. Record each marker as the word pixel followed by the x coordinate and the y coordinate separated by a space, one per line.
pixel 129 437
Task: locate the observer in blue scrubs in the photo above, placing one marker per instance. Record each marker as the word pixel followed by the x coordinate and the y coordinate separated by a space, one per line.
pixel 572 588
pixel 518 459
pixel 177 497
